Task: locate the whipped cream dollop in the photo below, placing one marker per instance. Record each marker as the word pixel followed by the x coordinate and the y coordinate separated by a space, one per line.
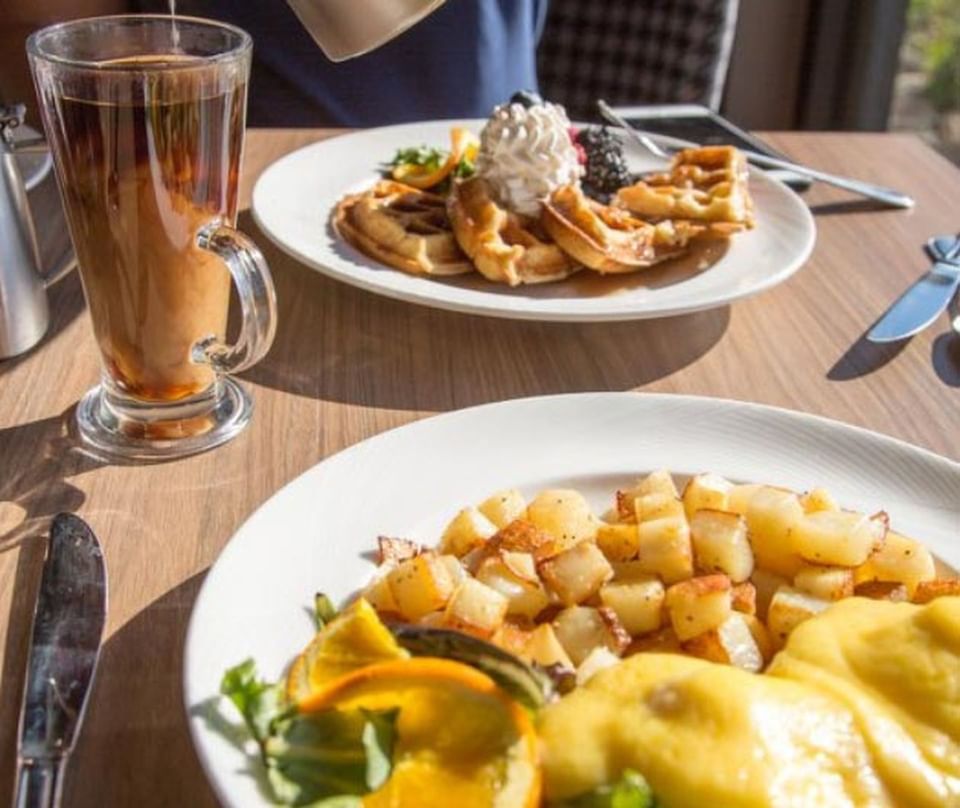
pixel 526 153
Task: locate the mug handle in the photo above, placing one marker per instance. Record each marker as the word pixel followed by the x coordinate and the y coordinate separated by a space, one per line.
pixel 258 301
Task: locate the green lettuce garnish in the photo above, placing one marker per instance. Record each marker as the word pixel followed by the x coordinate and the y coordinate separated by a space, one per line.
pixel 630 791
pixel 327 759
pixel 426 156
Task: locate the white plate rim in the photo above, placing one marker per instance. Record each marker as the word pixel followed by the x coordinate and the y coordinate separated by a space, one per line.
pixel 942 466
pixel 435 294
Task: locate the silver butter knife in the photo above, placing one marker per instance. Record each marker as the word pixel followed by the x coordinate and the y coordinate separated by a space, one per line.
pixel 922 303
pixel 64 647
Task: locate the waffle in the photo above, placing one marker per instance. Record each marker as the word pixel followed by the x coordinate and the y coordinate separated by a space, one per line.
pixel 402 227
pixel 707 184
pixel 505 247
pixel 609 239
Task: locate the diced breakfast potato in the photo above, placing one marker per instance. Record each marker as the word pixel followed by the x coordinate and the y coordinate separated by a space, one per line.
pixel 390 549
pixel 630 570
pixel 513 638
pixel 564 514
pixel 771 515
pixel 420 585
pixel 899 559
pixel 580 629
pixel 503 507
pixel 730 643
pixel 766 583
pixel 657 482
pixel 761 636
pixel 698 605
pixel 882 590
pixel 828 583
pixel 706 491
pixel 468 530
pixel 618 542
pixel 457 571
pixel 662 641
pixel 638 604
pixel 600 658
pixel 432 620
pixel 743 598
pixel 665 548
pixel 576 574
pixel 514 575
pixel 838 538
pixel 739 498
pixel 930 590
pixel 720 544
pixel 657 506
pixel 475 608
pixel 379 596
pixel 788 609
pixel 818 499
pixel 545 649
pixel 522 536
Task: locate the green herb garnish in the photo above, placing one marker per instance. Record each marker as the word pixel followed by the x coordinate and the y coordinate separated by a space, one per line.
pixel 426 156
pixel 630 791
pixel 323 610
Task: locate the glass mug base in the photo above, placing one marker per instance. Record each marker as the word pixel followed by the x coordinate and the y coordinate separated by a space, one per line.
pixel 129 430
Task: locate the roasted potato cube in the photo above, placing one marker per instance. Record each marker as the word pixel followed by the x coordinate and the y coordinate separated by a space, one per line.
pixel 709 491
pixel 638 604
pixel 730 643
pixel 468 530
pixel 663 641
pixel 838 538
pixel 657 482
pixel 514 575
pixel 503 507
pixel 545 649
pixel 420 585
pixel 648 507
pixel 618 542
pixel 580 629
pixel 698 605
pixel 521 536
pixel 630 570
pixel 761 636
pixel 899 559
pixel 788 609
pixel 513 638
pixel 432 620
pixel 881 590
pixel 771 515
pixel 600 658
pixel 744 598
pixel 475 608
pixel 576 574
pixel 828 583
pixel 739 497
pixel 819 499
pixel 720 544
pixel 766 584
pixel 379 595
pixel 564 514
pixel 930 590
pixel 394 550
pixel 456 569
pixel 665 548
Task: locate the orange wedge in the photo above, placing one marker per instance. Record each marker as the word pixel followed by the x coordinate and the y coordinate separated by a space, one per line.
pixel 353 639
pixel 460 739
pixel 462 144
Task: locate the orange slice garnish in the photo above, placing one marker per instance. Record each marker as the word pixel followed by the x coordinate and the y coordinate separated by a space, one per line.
pixel 460 739
pixel 462 144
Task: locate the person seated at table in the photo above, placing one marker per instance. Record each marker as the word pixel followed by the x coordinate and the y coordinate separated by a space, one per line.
pixel 458 62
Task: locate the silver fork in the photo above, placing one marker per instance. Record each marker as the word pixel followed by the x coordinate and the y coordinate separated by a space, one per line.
pixel 888 196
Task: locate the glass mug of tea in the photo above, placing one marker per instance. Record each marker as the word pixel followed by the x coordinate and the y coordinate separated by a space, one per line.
pixel 145 118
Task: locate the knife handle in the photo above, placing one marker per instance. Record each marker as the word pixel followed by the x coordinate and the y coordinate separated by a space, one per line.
pixel 39 782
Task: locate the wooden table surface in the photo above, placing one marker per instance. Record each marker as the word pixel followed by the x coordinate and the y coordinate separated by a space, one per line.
pixel 347 364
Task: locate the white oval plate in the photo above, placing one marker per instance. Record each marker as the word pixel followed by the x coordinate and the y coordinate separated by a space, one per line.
pixel 293 200
pixel 317 533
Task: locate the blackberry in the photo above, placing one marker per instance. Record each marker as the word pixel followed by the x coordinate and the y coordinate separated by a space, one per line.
pixel 526 98
pixel 606 170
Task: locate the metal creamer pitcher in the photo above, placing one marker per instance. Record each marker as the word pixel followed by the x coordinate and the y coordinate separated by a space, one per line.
pixel 24 313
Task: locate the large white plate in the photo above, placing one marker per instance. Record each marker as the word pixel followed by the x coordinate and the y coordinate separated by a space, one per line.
pixel 294 197
pixel 317 533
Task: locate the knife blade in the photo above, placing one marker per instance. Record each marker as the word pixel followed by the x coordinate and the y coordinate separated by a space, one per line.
pixel 922 303
pixel 64 648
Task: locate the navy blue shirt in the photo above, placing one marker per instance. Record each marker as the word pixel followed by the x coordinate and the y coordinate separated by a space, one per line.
pixel 458 62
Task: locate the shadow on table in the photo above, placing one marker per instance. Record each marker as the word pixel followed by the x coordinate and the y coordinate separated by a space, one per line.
pixel 946 358
pixel 335 342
